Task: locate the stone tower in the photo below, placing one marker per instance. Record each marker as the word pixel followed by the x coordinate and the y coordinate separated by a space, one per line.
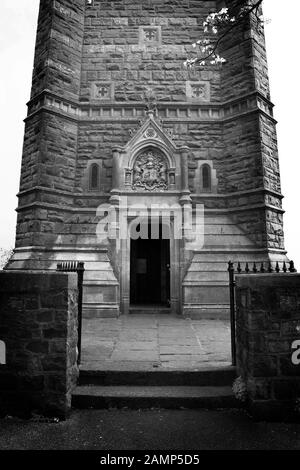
pixel 114 116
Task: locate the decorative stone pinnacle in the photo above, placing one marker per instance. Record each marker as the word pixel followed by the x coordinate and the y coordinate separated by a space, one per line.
pixel 151 112
pixel 151 103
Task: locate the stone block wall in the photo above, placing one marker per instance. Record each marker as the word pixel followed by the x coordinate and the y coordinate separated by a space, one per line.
pixel 268 330
pixel 38 324
pixel 244 49
pixel 121 63
pixel 50 143
pixel 250 142
pixel 57 63
pixel 132 45
pixel 95 63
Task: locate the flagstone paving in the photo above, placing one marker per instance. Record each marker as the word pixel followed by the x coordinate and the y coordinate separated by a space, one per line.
pixel 150 341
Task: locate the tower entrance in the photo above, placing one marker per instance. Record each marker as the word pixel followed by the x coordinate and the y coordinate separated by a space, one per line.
pixel 150 270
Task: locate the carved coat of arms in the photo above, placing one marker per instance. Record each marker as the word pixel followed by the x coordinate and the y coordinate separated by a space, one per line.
pixel 150 172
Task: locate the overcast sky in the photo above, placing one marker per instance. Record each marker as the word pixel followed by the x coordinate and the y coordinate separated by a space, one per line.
pixel 17 38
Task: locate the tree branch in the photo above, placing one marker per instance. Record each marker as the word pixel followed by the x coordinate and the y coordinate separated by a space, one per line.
pixel 234 25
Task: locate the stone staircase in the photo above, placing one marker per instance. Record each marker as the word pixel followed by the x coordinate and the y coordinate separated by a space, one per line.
pixel 205 284
pixel 207 388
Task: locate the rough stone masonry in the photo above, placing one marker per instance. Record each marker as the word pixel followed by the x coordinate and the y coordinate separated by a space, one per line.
pixel 268 343
pixel 38 325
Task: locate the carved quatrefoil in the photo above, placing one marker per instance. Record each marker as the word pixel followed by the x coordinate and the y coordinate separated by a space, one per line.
pixel 150 133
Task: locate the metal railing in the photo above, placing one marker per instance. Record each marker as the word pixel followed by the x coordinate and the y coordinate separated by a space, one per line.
pixel 260 267
pixel 78 267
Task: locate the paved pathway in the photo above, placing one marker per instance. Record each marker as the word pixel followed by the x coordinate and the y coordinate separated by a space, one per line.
pixel 154 341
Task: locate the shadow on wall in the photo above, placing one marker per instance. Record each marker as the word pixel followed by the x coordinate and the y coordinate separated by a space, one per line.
pixel 2 353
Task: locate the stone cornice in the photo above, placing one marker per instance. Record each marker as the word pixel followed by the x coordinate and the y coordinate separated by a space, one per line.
pixel 96 249
pixel 95 111
pixel 64 208
pixel 141 104
pixel 62 248
pixel 93 194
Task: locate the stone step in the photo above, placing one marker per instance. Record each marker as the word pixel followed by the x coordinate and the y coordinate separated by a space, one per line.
pixel 224 256
pixel 222 376
pixel 207 312
pixel 93 269
pixel 226 240
pixel 94 274
pixel 151 310
pixel 91 311
pixel 61 255
pixel 217 229
pixel 218 219
pixel 136 397
pixel 199 276
pixel 209 266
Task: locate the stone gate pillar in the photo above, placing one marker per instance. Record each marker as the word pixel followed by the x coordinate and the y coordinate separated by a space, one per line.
pixel 268 343
pixel 38 324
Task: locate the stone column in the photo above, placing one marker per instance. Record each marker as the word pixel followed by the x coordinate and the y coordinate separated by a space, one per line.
pixel 185 192
pixel 116 177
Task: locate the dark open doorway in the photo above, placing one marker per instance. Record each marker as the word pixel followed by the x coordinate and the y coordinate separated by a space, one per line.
pixel 150 271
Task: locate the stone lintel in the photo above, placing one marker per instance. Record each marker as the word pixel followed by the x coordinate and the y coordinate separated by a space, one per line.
pixel 93 210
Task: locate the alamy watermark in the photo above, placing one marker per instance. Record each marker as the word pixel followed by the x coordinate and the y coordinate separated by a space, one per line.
pixel 151 221
pixel 296 353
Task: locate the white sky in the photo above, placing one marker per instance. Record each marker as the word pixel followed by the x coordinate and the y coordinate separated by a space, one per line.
pixel 17 38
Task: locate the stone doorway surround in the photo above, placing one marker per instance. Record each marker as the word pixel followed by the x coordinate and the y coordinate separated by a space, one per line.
pixel 150 171
pixel 175 277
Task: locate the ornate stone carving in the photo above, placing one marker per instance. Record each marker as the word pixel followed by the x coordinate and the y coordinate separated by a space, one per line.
pixel 151 102
pixel 101 91
pixel 150 172
pixel 198 91
pixel 150 133
pixel 150 36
